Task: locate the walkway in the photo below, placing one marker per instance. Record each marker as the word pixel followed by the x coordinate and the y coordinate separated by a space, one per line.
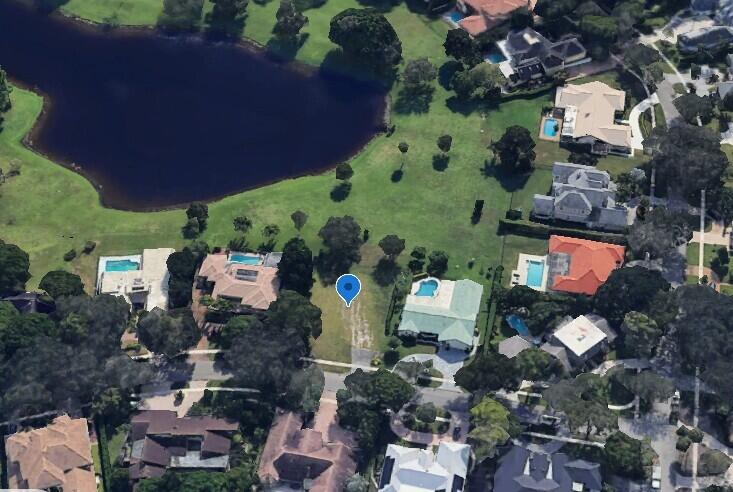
pixel 448 362
pixel 637 138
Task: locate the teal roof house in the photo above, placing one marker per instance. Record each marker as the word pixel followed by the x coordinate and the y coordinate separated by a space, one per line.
pixel 442 312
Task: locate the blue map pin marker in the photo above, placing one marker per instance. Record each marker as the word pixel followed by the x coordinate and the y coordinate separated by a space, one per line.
pixel 348 287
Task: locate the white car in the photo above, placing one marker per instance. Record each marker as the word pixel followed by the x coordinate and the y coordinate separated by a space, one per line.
pixel 656 477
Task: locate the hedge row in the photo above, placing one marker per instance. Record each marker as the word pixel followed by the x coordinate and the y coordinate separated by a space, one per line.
pixel 103 445
pixel 491 318
pixel 544 231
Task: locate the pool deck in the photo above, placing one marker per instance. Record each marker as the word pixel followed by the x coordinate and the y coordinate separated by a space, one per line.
pixel 548 138
pixel 102 264
pixel 519 276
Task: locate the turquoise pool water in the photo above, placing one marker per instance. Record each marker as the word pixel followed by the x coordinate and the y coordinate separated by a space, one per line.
pixel 535 270
pixel 427 288
pixel 121 266
pixel 495 57
pixel 455 16
pixel 517 325
pixel 550 127
pixel 245 259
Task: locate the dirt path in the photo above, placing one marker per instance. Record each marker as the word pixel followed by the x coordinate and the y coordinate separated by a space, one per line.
pixel 354 319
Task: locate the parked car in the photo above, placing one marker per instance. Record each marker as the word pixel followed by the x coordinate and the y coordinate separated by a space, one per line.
pixel 656 477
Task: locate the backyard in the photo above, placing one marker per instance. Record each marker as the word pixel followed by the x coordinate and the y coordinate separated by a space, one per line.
pixel 48 210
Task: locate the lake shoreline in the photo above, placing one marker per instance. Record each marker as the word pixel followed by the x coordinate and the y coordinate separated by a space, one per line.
pixel 30 140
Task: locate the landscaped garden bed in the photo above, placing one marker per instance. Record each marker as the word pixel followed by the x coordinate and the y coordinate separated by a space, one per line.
pixel 426 418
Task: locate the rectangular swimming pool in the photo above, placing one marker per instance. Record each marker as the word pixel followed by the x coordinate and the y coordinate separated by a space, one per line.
pixel 550 127
pixel 245 259
pixel 121 266
pixel 535 271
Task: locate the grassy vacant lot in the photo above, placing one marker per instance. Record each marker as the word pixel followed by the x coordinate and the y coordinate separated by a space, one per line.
pixel 48 210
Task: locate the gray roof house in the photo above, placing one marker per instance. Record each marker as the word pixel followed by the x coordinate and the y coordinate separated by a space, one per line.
pixel 532 56
pixel 581 194
pixel 159 440
pixel 513 346
pixel 530 469
pixel 707 38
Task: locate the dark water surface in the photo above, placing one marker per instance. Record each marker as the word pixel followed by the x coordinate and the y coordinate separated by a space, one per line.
pixel 157 121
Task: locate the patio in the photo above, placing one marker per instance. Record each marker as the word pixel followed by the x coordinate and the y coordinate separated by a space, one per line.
pixel 523 276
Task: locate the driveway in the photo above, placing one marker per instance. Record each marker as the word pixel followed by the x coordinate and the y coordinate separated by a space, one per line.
pixel 450 400
pixel 667 95
pixel 448 362
pixel 637 138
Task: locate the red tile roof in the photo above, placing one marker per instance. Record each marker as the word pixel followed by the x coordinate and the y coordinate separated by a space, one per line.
pixel 591 263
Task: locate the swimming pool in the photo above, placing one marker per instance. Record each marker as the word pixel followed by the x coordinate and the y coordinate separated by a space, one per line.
pixel 245 259
pixel 495 57
pixel 535 271
pixel 550 127
pixel 517 325
pixel 455 16
pixel 427 288
pixel 121 266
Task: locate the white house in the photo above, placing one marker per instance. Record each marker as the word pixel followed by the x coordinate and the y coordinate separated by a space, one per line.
pixel 577 340
pixel 141 279
pixel 419 470
pixel 581 194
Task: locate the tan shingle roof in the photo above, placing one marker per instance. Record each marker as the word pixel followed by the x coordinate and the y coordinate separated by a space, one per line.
pixel 596 104
pixel 258 293
pixel 58 455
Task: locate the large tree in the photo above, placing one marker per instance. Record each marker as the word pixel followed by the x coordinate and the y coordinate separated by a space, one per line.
pixel 538 365
pixel 227 16
pixel 418 75
pixel 5 90
pixel 61 283
pixel 627 289
pixel 659 233
pixel 34 381
pixel 691 107
pixel 182 268
pixel 363 405
pixel 181 15
pixel 515 149
pixel 297 312
pixel 640 335
pixel 392 245
pixel 493 426
pixel 583 402
pixel 627 456
pixel 289 22
pixel 14 269
pixel 295 269
pixel 367 36
pixel 168 333
pixel 342 240
pixel 235 327
pixel 554 9
pixel 462 47
pixel 689 158
pixel 482 82
pixel 489 372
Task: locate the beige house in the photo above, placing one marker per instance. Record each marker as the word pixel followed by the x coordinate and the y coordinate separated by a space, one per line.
pixel 590 118
pixel 246 279
pixel 58 455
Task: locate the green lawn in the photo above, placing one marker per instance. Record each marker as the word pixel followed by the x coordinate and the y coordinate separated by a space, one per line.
pixel 48 209
pixel 116 442
pixel 693 253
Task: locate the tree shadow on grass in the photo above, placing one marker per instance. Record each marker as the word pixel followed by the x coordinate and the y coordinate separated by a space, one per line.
pixel 339 62
pixel 48 6
pixel 469 106
pixel 440 162
pixel 446 72
pixel 285 49
pixel 330 267
pixel 386 272
pixel 341 191
pixel 383 6
pixel 414 102
pixel 509 180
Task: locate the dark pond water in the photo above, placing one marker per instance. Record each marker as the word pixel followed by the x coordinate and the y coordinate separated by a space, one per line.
pixel 158 121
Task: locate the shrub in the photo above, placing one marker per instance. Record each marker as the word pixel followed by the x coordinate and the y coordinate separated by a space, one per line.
pixel 426 413
pixel 89 247
pixel 695 435
pixel 70 255
pixel 683 443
